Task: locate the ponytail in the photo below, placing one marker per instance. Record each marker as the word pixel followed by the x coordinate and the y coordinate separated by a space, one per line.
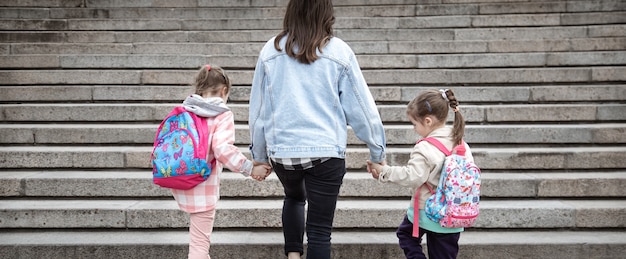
pixel 458 128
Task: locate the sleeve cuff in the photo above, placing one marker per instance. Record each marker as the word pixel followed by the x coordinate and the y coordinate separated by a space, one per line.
pixel 383 176
pixel 246 169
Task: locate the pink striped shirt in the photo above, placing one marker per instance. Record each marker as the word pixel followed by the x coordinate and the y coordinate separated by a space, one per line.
pixel 204 196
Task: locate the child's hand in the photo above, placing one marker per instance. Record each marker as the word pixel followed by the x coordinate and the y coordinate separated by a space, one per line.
pixel 260 171
pixel 268 167
pixel 374 168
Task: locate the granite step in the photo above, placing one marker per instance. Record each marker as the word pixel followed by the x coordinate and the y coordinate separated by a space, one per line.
pixel 551 75
pixel 269 244
pixel 251 213
pixel 364 22
pixel 359 47
pixel 497 184
pixel 387 61
pixel 83 87
pixel 514 157
pixel 151 112
pixel 241 9
pixel 504 7
pixel 143 134
pixel 262 35
pixel 535 94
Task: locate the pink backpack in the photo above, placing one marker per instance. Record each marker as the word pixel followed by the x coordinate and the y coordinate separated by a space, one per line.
pixel 454 204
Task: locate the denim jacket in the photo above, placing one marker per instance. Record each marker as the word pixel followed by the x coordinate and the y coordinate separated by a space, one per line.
pixel 302 110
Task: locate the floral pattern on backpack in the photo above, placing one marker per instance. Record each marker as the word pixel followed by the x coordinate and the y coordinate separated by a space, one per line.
pixel 455 202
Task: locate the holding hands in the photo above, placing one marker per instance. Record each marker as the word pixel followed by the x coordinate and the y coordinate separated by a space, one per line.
pixel 260 171
pixel 375 168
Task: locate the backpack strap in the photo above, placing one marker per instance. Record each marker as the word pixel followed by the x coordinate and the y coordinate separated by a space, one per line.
pixel 442 148
pixel 416 213
pixel 460 149
pixel 203 133
pixel 437 144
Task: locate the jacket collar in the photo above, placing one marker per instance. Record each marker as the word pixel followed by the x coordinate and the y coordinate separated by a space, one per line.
pixel 205 107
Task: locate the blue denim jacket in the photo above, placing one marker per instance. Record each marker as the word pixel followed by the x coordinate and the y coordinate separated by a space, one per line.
pixel 302 110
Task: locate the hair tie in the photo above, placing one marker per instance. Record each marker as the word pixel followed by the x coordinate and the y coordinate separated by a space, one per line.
pixel 443 94
pixel 208 67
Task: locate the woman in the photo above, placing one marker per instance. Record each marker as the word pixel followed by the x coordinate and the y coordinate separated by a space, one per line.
pixel 307 88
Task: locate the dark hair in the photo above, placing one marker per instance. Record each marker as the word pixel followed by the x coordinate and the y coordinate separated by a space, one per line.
pixel 210 79
pixel 308 27
pixel 433 102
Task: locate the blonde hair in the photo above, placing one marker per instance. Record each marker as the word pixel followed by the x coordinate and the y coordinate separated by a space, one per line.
pixel 436 103
pixel 211 79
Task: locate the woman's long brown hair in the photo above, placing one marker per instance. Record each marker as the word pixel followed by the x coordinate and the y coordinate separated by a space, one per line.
pixel 308 27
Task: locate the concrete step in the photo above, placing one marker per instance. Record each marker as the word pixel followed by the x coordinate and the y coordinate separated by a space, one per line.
pixel 249 213
pixel 151 112
pixel 365 22
pixel 143 134
pixel 552 75
pixel 488 158
pixel 551 189
pixel 359 47
pixel 504 7
pixel 269 244
pixel 241 9
pixel 206 3
pixel 523 113
pixel 535 94
pixel 495 184
pixel 386 61
pixel 262 35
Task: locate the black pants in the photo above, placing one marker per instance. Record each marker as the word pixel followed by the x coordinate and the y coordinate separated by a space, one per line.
pixel 319 186
pixel 440 246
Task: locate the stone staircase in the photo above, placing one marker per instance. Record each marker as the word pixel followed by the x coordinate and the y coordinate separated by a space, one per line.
pixel 84 84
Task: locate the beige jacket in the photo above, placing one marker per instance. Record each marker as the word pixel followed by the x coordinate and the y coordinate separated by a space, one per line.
pixel 424 166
